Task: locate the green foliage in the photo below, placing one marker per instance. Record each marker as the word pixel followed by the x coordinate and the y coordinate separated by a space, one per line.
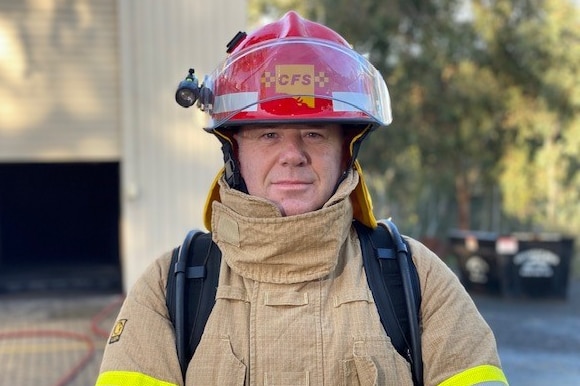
pixel 537 54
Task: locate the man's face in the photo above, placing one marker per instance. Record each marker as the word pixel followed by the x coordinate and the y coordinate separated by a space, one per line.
pixel 296 166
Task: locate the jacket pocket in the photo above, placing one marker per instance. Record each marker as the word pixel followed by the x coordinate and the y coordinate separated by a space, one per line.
pixel 359 372
pixel 376 362
pixel 215 363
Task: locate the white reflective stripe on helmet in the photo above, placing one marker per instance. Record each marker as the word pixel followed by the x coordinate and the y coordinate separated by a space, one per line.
pixel 248 101
pixel 350 101
pixel 240 101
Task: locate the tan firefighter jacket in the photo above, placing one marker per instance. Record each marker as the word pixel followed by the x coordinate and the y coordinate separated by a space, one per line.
pixel 293 307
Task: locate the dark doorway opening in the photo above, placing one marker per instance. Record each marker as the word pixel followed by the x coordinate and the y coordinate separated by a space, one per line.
pixel 59 227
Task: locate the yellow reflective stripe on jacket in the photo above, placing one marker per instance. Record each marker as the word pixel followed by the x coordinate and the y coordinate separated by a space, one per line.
pixel 481 375
pixel 129 378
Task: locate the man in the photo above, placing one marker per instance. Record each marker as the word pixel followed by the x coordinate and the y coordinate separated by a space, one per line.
pixel 291 105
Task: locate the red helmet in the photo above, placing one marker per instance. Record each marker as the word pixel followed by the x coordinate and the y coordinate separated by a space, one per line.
pixel 295 70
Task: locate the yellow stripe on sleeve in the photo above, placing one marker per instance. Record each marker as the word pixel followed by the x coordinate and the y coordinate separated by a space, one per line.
pixel 129 378
pixel 481 375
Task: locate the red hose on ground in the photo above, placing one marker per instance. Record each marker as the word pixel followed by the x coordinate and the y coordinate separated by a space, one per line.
pixel 58 334
pixel 88 340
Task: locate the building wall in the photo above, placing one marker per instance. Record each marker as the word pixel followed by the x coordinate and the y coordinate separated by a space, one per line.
pixel 94 80
pixel 168 161
pixel 56 104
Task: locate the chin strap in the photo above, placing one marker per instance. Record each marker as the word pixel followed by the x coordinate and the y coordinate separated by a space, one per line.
pixel 354 148
pixel 231 165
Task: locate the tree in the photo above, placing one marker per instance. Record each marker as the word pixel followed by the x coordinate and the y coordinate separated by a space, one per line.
pixel 536 51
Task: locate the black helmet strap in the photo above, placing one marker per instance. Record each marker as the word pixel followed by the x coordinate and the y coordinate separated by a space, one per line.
pixel 232 172
pixel 355 146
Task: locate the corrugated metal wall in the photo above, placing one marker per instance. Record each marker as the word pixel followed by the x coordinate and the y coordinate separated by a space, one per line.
pixel 56 105
pixel 168 161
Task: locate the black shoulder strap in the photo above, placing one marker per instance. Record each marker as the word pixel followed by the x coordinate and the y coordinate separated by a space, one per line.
pixel 394 281
pixel 191 289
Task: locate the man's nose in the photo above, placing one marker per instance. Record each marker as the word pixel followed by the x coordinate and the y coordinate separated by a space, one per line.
pixel 293 152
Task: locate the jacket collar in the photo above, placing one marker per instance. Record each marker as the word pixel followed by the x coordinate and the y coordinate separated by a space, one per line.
pixel 258 243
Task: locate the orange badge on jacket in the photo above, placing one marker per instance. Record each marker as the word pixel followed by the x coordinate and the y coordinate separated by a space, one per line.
pixel 117 331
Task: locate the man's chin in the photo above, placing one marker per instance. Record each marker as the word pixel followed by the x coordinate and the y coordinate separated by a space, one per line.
pixel 297 208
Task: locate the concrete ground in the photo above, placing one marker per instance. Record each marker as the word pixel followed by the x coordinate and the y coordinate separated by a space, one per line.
pixel 54 340
pixel 538 339
pixel 58 340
